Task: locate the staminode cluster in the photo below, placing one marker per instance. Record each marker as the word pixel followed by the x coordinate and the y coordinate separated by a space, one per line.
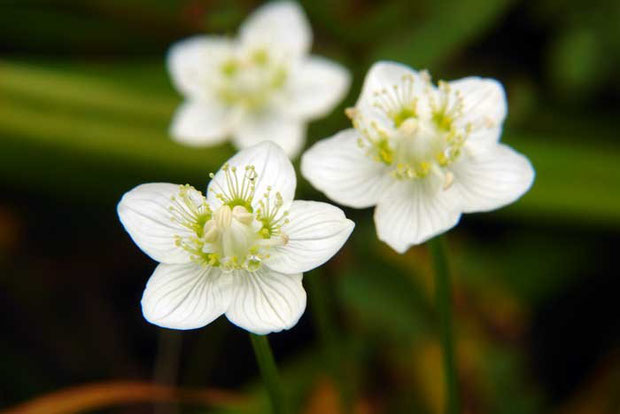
pixel 234 235
pixel 413 127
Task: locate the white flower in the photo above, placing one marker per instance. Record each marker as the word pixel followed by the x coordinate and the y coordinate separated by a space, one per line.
pixel 422 154
pixel 239 251
pixel 260 86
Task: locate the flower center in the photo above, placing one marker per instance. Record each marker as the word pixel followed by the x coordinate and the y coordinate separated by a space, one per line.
pixel 231 239
pixel 252 79
pixel 420 132
pixel 235 235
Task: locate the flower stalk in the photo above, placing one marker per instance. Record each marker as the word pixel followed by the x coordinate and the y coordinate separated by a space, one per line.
pixel 167 362
pixel 443 302
pixel 323 316
pixel 269 372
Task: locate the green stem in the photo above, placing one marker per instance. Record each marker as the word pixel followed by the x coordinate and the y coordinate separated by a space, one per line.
pixel 167 362
pixel 324 321
pixel 269 371
pixel 443 298
pixel 321 311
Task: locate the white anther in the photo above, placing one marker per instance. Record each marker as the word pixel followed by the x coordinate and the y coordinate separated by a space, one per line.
pixel 410 126
pixel 448 180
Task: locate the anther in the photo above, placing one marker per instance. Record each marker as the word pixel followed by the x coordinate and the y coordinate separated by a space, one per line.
pixel 448 180
pixel 351 113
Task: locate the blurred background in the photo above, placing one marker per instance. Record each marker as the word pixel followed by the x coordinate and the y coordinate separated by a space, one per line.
pixel 85 103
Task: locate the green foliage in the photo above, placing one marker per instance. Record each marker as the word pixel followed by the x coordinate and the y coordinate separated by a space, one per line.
pixel 447 27
pixel 87 120
pixel 385 301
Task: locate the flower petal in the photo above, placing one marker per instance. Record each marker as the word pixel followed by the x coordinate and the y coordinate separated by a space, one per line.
pixel 315 88
pixel 200 123
pixel 484 101
pixel 385 75
pixel 338 167
pixel 315 232
pixel 195 61
pixel 414 212
pixel 273 169
pixel 490 178
pixel 279 25
pixel 266 301
pixel 287 132
pixel 186 296
pixel 485 135
pixel 144 212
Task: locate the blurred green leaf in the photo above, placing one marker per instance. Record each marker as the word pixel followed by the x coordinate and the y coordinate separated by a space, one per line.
pixel 507 382
pixel 573 179
pixel 79 92
pixel 68 126
pixel 68 153
pixel 577 62
pixel 448 27
pixel 531 266
pixel 380 297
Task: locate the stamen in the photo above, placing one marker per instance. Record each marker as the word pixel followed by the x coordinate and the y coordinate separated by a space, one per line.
pixel 448 180
pixel 189 208
pixel 351 113
pixel 272 216
pixel 374 139
pixel 236 193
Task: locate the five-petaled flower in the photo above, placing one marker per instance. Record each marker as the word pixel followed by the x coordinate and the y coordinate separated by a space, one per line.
pixel 422 154
pixel 239 251
pixel 261 86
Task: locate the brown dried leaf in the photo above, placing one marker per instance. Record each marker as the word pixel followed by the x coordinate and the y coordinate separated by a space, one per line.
pixel 99 395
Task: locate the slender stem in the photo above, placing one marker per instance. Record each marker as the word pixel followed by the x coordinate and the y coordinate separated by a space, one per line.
pixel 443 298
pixel 269 371
pixel 322 311
pixel 167 361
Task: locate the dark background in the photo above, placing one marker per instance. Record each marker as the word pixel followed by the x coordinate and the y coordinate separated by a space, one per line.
pixel 84 107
